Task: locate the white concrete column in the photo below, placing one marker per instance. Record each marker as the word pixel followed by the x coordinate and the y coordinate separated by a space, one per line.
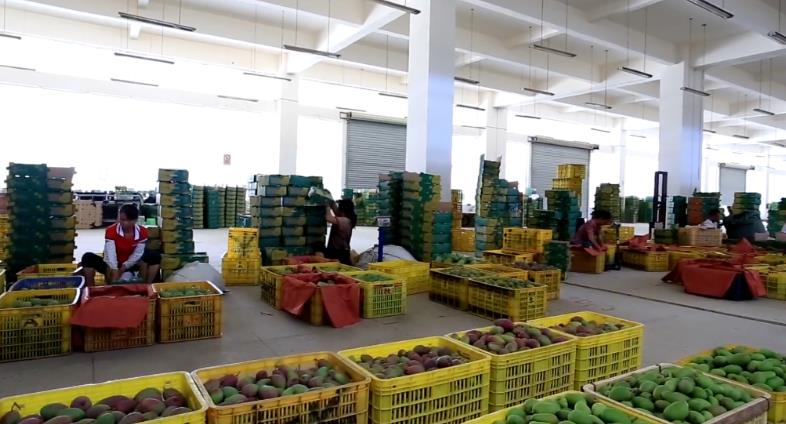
pixel 681 122
pixel 288 116
pixel 432 40
pixel 496 131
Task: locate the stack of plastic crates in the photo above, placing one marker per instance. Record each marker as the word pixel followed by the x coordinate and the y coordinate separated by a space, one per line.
pixel 240 265
pixel 525 239
pixel 29 216
pixel 416 274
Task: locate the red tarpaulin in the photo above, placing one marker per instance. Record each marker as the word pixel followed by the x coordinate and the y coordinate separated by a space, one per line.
pixel 121 306
pixel 713 278
pixel 341 300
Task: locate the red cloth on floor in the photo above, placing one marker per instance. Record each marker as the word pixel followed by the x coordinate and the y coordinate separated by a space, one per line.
pixel 121 306
pixel 743 247
pixel 713 278
pixel 341 300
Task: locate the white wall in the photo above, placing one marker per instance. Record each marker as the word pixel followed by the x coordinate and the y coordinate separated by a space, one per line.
pixel 119 141
pixel 320 150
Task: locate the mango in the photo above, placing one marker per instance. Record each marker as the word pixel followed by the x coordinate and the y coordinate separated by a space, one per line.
pixel 546 407
pixel 51 410
pixel 106 418
pixel 620 393
pixel 150 392
pixel 234 399
pixel 545 418
pixel 31 419
pixel 686 385
pixel 132 418
pixel 699 405
pixel 696 417
pixel 613 415
pixel 75 414
pixel 60 419
pixel 151 405
pixel 677 411
pixel 178 410
pixel 580 417
pixel 11 417
pixel 642 403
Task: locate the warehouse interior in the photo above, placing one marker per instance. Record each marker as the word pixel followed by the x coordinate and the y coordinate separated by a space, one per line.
pixel 481 144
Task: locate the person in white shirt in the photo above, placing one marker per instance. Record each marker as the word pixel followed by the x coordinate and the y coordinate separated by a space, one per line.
pixel 713 220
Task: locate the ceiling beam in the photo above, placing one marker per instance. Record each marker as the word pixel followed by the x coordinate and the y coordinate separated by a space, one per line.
pixel 604 34
pixel 525 39
pixel 618 7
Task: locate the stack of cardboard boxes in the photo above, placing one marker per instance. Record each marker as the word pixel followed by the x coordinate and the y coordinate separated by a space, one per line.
pixel 89 214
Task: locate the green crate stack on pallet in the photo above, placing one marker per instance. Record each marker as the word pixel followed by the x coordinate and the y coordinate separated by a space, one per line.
pixel 176 216
pixel 665 236
pixel 389 204
pixel 212 208
pixel 700 205
pixel 607 197
pixel 776 216
pixel 557 254
pixel 456 199
pixel 543 219
pixel 645 210
pixel 241 206
pixel 222 196
pixel 677 211
pixel 746 202
pixel 531 211
pixel 230 206
pixel 491 207
pixel 422 214
pixel 28 214
pixel 565 205
pixel 365 207
pixel 515 207
pixel 198 206
pixel 289 223
pixel 488 234
pixel 630 209
pixel 62 212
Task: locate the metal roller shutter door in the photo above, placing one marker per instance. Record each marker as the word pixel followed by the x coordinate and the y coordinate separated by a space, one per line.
pixel 544 161
pixel 732 180
pixel 373 148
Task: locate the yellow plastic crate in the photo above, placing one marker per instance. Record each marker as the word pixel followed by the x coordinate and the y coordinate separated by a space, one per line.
pixel 572 170
pixel 271 279
pixel 525 239
pixel 445 396
pixel 189 317
pixel 490 301
pixel 448 289
pixel 104 339
pixel 531 373
pixel 777 411
pixel 381 298
pixel 38 331
pixel 507 258
pixel 501 270
pixel 2 280
pixel 551 278
pixel 48 270
pixel 415 273
pixel 31 403
pixel 609 233
pixel 347 403
pixel 776 285
pixel 501 415
pixel 463 239
pixel 695 236
pixel 240 271
pixel 243 243
pixel 582 261
pixel 646 261
pixel 755 412
pixel 604 355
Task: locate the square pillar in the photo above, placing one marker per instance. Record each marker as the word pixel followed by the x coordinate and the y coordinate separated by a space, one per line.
pixel 288 116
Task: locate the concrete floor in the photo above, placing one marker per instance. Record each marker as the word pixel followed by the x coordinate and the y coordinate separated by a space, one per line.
pixel 677 324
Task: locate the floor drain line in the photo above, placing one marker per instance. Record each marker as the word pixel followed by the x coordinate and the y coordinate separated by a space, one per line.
pixel 698 308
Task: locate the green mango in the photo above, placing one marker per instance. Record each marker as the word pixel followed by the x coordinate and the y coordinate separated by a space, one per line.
pixel 621 393
pixel 546 407
pixel 545 418
pixel 677 411
pixel 581 417
pixel 698 404
pixel 642 403
pixel 614 415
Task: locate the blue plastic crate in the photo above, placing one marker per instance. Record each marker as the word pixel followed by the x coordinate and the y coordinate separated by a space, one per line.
pixel 73 282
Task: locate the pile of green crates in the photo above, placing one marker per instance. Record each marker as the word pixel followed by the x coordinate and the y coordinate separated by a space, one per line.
pixel 542 219
pixel 557 254
pixel 198 206
pixel 41 221
pixel 177 213
pixel 425 224
pixel 645 211
pixel 389 204
pixel 677 211
pixel 289 223
pixel 630 209
pixel 222 199
pixel 665 236
pixel 607 197
pixel 746 202
pixel 366 207
pixel 700 205
pixel 212 209
pixel 241 206
pixel 499 202
pixel 565 206
pixel 776 216
pixel 230 206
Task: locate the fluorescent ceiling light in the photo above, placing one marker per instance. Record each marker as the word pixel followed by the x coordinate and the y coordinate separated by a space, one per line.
pixel 766 112
pixel 744 137
pixel 398 6
pixel 242 99
pixel 638 136
pixel 777 36
pixel 311 51
pixel 474 127
pixel 255 74
pixel 597 105
pixel 600 130
pixel 709 7
pixel 351 109
pixel 465 106
pixel 124 81
pixel 635 72
pixel 528 116
pixel 695 91
pixel 548 49
pixel 151 59
pixel 152 21
pixel 467 80
pixel 538 91
pixel 390 94
pixel 19 68
pixel 12 36
pixel 709 131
